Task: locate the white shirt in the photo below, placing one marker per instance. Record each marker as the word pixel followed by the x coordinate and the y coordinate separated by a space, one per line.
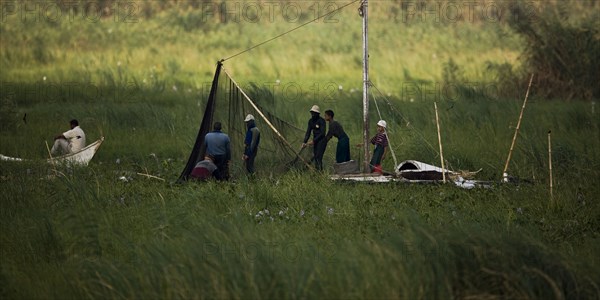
pixel 76 138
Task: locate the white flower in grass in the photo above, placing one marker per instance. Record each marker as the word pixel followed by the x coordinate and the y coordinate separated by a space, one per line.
pixel 330 211
pixel 519 211
pixel 277 82
pixel 118 161
pixel 174 88
pixel 340 87
pixel 44 78
pixel 302 213
pixel 281 212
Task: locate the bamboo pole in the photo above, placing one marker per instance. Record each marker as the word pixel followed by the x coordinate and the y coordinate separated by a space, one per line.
pixel 267 121
pixel 512 145
pixel 150 176
pixel 50 154
pixel 437 122
pixel 550 163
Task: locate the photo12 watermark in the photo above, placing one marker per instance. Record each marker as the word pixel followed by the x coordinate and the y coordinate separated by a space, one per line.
pixel 278 91
pixel 270 11
pixel 468 11
pixel 70 11
pixel 449 91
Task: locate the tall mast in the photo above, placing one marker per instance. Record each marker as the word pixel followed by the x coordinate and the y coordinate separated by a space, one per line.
pixel 364 11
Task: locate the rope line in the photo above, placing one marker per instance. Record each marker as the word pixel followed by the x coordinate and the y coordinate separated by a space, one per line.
pixel 406 120
pixel 289 31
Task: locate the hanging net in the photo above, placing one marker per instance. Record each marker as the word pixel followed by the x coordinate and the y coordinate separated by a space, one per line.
pixel 279 148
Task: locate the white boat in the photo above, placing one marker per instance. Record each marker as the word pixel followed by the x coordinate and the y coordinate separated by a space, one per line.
pixel 82 157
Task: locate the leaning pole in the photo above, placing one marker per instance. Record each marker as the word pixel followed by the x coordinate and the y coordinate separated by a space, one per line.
pixel 364 10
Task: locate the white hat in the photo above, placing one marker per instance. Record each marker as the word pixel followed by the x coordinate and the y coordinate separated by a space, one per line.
pixel 249 118
pixel 382 123
pixel 315 108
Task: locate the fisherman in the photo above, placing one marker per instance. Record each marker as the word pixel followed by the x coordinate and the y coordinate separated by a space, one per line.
pixel 70 141
pixel 217 145
pixel 380 141
pixel 250 143
pixel 342 152
pixel 316 125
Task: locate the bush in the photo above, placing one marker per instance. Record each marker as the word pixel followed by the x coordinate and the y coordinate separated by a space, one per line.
pixel 562 51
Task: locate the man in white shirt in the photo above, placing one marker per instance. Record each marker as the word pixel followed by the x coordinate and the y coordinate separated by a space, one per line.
pixel 70 141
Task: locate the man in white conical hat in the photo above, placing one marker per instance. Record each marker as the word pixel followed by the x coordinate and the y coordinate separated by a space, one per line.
pixel 316 125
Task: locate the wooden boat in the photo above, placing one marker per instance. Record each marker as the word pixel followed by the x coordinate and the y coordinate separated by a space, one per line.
pixel 82 157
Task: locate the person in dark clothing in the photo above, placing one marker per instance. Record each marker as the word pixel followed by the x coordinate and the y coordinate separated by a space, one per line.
pixel 250 143
pixel 381 147
pixel 342 152
pixel 217 145
pixel 316 125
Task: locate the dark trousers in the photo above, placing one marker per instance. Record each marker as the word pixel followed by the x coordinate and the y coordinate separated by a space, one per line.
pixel 318 151
pixel 377 156
pixel 250 162
pixel 342 152
pixel 222 171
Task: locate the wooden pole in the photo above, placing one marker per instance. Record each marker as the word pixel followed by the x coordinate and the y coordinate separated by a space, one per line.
pixel 365 30
pixel 512 145
pixel 550 163
pixel 437 122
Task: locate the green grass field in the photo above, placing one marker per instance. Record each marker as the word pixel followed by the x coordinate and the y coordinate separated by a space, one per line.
pixel 105 232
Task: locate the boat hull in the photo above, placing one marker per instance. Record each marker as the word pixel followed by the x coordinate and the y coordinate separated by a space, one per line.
pixel 82 157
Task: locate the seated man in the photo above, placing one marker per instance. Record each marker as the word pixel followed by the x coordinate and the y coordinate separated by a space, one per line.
pixel 70 141
pixel 204 169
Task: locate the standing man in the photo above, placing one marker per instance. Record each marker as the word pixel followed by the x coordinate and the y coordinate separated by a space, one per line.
pixel 70 141
pixel 250 143
pixel 217 145
pixel 316 125
pixel 342 152
pixel 381 147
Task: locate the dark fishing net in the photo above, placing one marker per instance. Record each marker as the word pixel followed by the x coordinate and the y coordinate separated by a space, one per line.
pixel 279 141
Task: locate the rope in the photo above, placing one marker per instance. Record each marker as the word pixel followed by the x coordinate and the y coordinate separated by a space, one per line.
pixel 406 120
pixel 289 31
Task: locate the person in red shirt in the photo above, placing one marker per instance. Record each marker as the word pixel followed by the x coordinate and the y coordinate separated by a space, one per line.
pixel 381 147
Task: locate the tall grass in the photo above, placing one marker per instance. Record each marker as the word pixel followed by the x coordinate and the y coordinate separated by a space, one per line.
pixel 268 239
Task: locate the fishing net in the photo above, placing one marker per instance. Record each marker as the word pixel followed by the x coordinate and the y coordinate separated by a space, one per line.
pixel 279 148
